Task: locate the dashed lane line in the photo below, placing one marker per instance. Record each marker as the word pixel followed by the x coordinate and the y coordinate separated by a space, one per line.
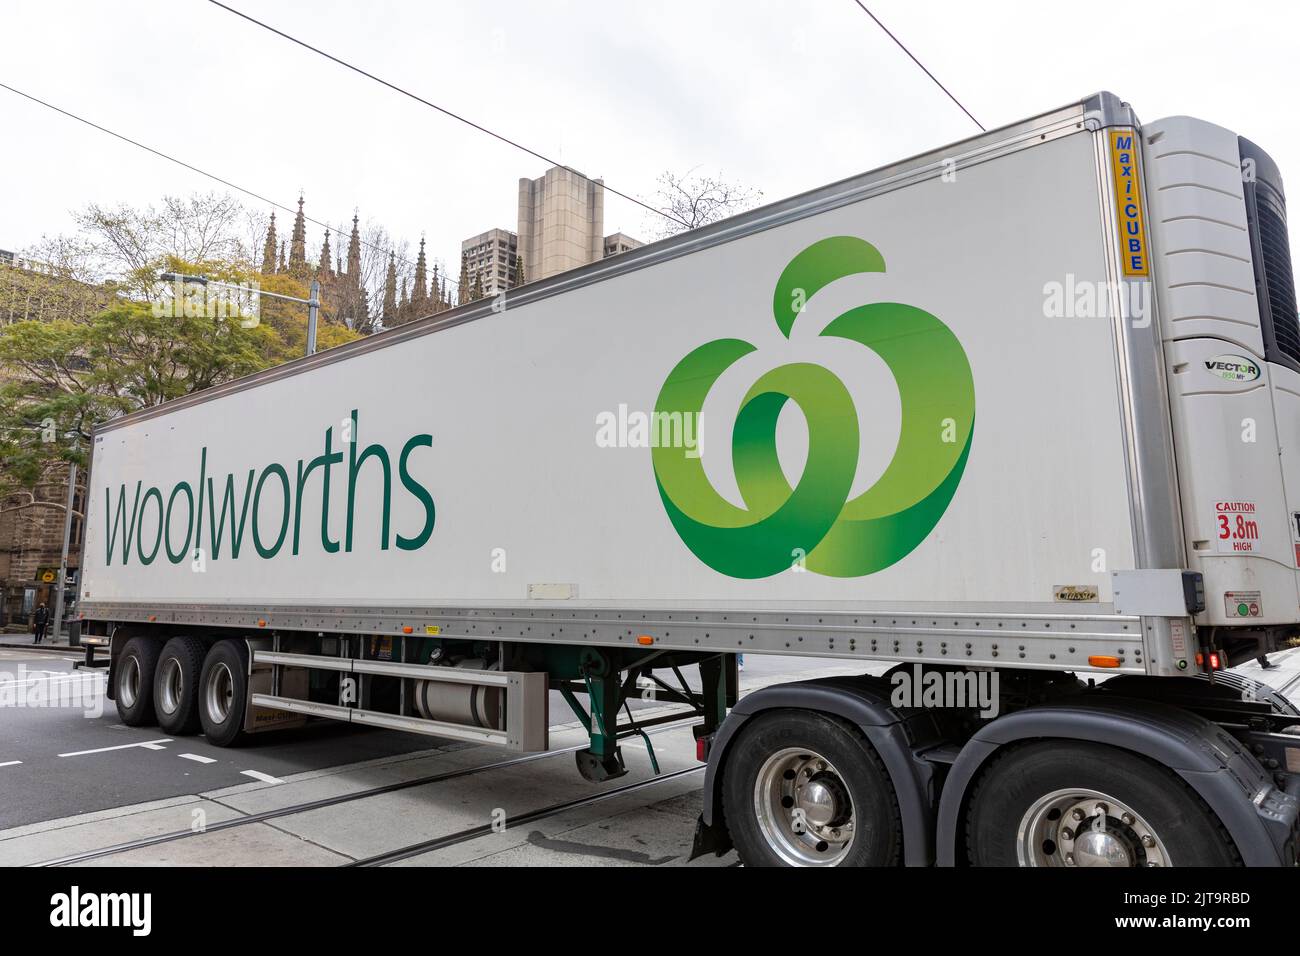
pixel 196 758
pixel 145 744
pixel 258 775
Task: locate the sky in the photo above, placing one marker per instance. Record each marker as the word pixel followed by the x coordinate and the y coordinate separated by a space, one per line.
pixel 779 95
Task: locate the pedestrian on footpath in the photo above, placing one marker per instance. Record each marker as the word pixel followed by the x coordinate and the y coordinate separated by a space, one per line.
pixel 42 620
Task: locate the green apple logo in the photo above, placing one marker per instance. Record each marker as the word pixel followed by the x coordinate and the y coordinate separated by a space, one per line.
pixel 816 520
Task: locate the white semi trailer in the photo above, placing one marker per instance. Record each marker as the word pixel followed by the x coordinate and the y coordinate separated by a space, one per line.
pixel 1023 411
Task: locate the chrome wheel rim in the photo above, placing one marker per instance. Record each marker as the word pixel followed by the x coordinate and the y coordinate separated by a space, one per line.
pixel 169 686
pixel 803 808
pixel 1085 827
pixel 128 685
pixel 219 695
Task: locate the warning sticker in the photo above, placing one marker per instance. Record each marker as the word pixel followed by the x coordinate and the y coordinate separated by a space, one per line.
pixel 1242 604
pixel 1178 638
pixel 1236 526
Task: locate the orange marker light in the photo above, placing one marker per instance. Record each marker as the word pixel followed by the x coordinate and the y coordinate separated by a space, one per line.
pixel 153 617
pixel 645 639
pixel 1100 660
pixel 261 622
pixel 407 629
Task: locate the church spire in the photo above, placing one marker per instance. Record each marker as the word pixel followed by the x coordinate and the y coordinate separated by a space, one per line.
pixel 354 253
pixel 298 243
pixel 268 250
pixel 419 292
pixel 323 271
pixel 390 293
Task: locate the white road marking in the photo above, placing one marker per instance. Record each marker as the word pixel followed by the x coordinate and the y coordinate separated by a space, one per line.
pixel 10 763
pixel 146 744
pixel 258 775
pixel 196 758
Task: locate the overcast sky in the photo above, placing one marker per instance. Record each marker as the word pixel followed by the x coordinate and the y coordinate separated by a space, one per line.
pixel 778 94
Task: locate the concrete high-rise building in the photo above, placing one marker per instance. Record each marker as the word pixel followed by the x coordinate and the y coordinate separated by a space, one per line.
pixel 617 242
pixel 561 222
pixel 490 258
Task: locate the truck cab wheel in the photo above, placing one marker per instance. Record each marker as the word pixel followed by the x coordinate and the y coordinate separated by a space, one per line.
pixel 176 685
pixel 1071 804
pixel 133 676
pixel 802 789
pixel 223 692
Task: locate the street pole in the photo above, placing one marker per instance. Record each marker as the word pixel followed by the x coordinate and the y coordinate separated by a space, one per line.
pixel 313 307
pixel 313 304
pixel 63 559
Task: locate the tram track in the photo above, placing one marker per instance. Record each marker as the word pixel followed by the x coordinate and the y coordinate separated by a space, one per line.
pixel 345 798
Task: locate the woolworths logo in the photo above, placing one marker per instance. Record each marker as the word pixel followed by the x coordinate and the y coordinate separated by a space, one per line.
pixel 815 525
pixel 266 506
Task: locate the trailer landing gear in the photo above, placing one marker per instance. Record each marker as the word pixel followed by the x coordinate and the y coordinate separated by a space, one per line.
pixel 611 681
pixel 600 767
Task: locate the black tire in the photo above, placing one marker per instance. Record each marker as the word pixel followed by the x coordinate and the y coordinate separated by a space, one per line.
pixel 1001 802
pixel 223 692
pixel 877 831
pixel 133 681
pixel 176 685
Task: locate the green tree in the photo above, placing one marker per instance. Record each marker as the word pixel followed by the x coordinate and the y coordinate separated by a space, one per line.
pixel 62 377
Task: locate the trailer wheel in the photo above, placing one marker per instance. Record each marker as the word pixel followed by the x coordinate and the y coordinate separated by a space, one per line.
pixel 1064 803
pixel 134 675
pixel 176 685
pixel 223 692
pixel 803 789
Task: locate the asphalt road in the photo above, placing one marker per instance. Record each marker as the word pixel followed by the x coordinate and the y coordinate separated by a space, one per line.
pixel 63 750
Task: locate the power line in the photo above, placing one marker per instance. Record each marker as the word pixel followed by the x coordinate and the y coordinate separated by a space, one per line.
pixel 917 62
pixel 446 112
pixel 202 172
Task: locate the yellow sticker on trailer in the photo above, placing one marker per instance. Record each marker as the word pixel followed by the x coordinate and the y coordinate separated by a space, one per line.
pixel 432 629
pixel 1128 202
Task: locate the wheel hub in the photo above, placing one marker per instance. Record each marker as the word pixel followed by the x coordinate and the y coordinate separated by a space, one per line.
pixel 219 694
pixel 128 688
pixel 169 698
pixel 824 801
pixel 1097 848
pixel 804 810
pixel 1087 828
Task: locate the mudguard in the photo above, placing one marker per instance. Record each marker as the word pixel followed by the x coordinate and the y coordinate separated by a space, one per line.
pixel 1261 819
